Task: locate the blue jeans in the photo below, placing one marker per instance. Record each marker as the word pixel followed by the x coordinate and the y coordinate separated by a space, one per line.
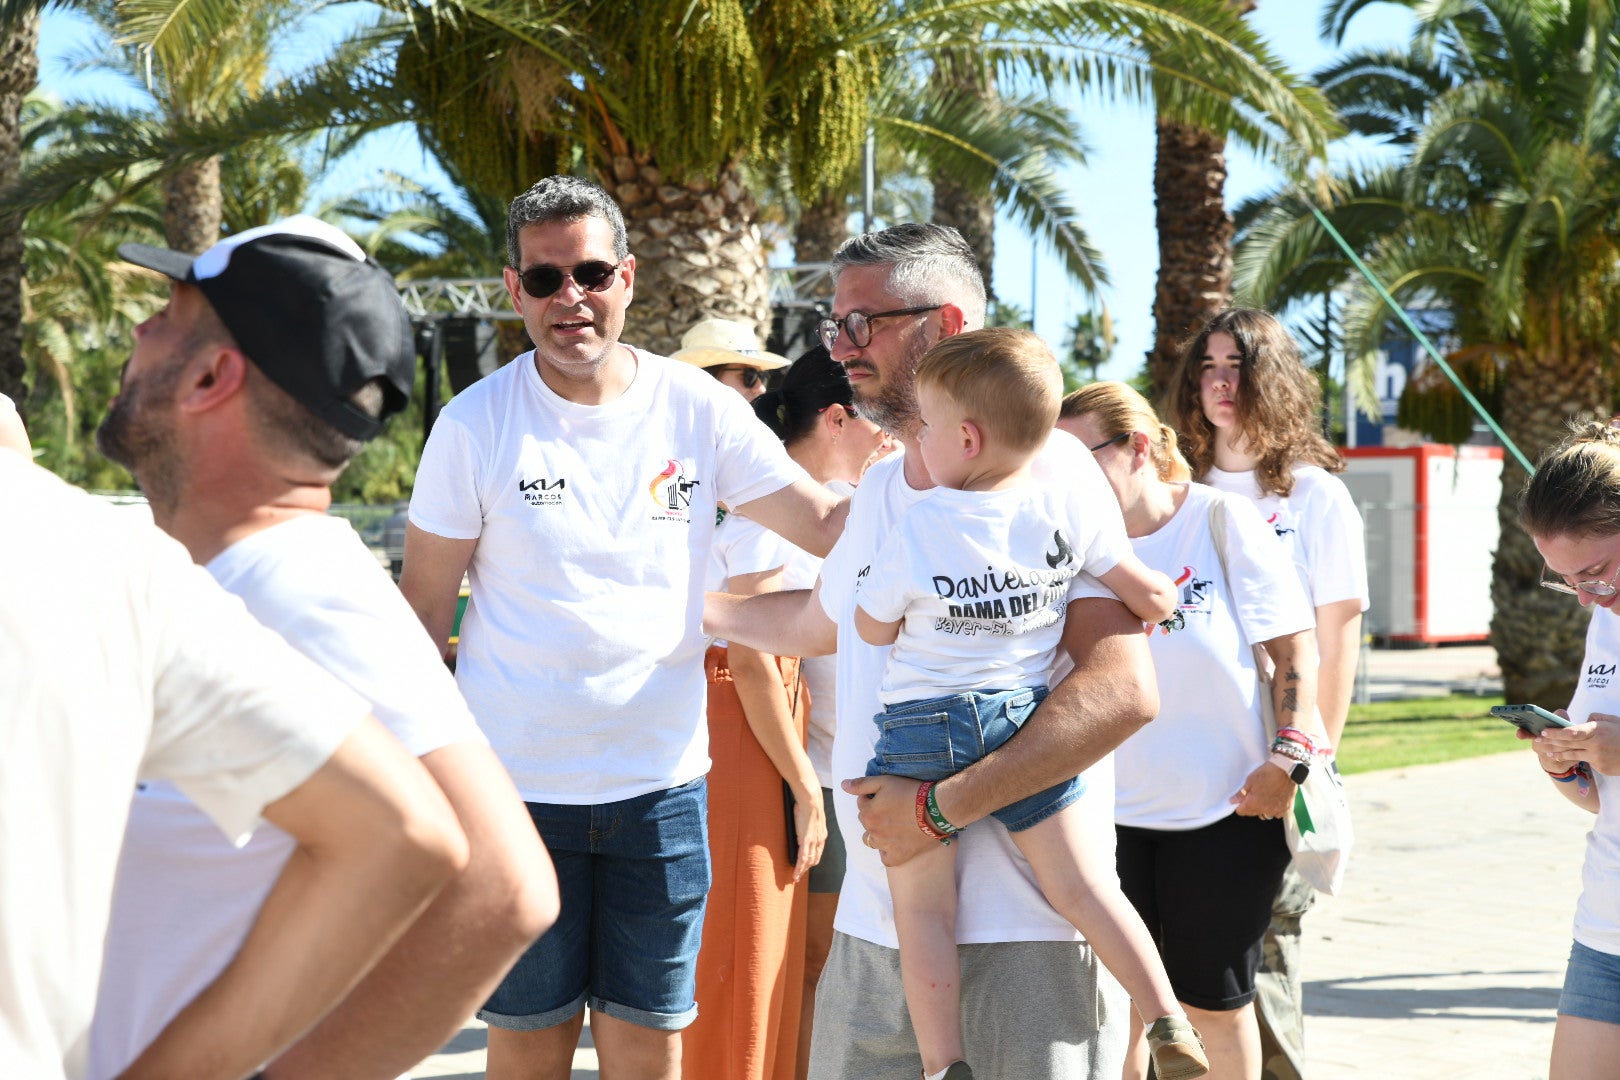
pixel 633 876
pixel 939 737
pixel 1591 985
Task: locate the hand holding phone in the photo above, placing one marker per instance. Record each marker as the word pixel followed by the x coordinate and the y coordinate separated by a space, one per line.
pixel 1531 718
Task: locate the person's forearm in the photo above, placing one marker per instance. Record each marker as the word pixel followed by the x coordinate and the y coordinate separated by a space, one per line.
pixel 1338 639
pixel 1293 684
pixel 1109 695
pixel 765 705
pixel 450 960
pixel 328 918
pixel 789 623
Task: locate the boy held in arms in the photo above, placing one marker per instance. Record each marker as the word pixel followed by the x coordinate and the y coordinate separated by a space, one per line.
pixel 971 591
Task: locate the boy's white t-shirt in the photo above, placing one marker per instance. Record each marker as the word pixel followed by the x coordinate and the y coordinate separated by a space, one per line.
pixel 185 897
pixel 1318 523
pixel 581 648
pixel 1597 912
pixel 998 898
pixel 1181 770
pixel 979 581
pixel 176 682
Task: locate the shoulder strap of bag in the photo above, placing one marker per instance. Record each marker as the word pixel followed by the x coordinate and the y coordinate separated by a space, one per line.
pixel 1218 515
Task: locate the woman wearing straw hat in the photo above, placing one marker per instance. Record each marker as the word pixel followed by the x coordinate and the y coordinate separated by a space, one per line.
pixel 729 351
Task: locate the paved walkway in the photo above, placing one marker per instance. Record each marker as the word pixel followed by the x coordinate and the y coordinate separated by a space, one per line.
pixel 1444 956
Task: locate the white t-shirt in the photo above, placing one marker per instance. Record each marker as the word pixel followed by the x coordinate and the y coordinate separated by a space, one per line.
pixel 998 898
pixel 120 659
pixel 1597 913
pixel 185 898
pixel 1319 524
pixel 1179 771
pixel 741 542
pixel 581 649
pixel 979 581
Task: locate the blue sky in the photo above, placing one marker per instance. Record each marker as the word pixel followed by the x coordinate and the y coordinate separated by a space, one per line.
pixel 1114 191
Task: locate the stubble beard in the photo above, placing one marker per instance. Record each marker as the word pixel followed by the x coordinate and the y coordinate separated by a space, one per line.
pixel 133 436
pixel 894 407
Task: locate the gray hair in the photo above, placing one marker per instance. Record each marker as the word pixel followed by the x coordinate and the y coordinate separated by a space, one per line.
pixel 927 264
pixel 563 198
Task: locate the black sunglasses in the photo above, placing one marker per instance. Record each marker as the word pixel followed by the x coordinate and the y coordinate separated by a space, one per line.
pixel 858 325
pixel 543 281
pixel 1121 437
pixel 751 376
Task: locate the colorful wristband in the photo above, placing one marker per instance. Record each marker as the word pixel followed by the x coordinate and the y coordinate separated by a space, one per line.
pixel 931 805
pixel 924 822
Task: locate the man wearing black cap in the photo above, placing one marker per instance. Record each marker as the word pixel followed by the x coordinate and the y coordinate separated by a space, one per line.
pixel 281 351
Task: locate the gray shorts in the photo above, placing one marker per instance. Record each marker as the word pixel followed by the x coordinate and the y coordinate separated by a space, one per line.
pixel 1031 1010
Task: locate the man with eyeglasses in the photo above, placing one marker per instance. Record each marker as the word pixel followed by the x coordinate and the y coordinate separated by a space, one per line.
pixel 577 488
pixel 1032 1003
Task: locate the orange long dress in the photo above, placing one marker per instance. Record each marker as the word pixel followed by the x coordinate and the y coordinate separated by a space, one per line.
pixel 750 970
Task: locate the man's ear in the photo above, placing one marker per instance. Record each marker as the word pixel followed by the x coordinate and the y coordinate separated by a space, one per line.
pixel 951 321
pixel 215 374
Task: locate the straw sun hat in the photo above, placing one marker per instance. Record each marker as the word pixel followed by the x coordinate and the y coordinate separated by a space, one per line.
pixel 723 341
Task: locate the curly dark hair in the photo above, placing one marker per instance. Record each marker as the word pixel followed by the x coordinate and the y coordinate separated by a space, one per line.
pixel 1278 401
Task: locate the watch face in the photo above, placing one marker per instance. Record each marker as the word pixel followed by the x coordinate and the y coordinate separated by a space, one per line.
pixel 1301 771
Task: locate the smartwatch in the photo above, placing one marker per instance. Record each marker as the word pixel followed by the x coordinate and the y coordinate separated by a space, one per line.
pixel 1297 770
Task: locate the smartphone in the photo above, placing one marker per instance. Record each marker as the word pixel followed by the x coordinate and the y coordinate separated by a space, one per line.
pixel 1533 718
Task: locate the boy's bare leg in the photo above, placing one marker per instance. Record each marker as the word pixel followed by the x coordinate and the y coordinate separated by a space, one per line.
pixel 1083 886
pixel 924 892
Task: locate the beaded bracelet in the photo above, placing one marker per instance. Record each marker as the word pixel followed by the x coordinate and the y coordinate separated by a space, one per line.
pixel 925 796
pixel 1292 750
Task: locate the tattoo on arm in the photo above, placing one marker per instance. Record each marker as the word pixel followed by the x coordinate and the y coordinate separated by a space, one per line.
pixel 1290 700
pixel 1292 674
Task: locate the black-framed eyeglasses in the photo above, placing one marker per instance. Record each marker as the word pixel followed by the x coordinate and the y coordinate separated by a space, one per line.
pixel 858 325
pixel 751 376
pixel 1121 437
pixel 1590 588
pixel 543 281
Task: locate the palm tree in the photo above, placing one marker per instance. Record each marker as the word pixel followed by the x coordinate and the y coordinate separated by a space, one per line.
pixel 19 74
pixel 1506 212
pixel 669 102
pixel 1194 230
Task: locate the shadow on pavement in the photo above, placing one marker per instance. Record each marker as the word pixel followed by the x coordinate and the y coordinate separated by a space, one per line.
pixel 1373 997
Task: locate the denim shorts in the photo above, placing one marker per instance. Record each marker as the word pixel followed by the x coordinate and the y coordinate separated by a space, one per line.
pixel 633 876
pixel 939 737
pixel 1591 985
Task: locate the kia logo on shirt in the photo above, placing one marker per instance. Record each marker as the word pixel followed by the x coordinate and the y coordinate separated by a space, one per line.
pixel 543 492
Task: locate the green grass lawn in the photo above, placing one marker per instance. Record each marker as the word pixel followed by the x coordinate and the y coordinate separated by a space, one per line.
pixel 1422 731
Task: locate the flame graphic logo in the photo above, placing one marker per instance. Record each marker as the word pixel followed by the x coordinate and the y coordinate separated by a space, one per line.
pixel 1272 520
pixel 670 470
pixel 1186 575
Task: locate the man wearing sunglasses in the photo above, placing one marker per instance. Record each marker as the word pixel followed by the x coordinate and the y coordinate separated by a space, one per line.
pixel 899 291
pixel 577 488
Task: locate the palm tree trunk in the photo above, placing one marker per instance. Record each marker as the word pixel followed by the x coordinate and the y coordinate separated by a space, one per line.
pixel 699 252
pixel 1195 236
pixel 19 73
pixel 1195 241
pixel 968 208
pixel 1538 634
pixel 823 227
pixel 193 206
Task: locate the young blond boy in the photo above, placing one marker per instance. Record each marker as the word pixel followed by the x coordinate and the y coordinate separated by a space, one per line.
pixel 971 591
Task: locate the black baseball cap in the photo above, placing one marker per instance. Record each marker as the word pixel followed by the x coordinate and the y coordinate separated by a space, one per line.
pixel 311 311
